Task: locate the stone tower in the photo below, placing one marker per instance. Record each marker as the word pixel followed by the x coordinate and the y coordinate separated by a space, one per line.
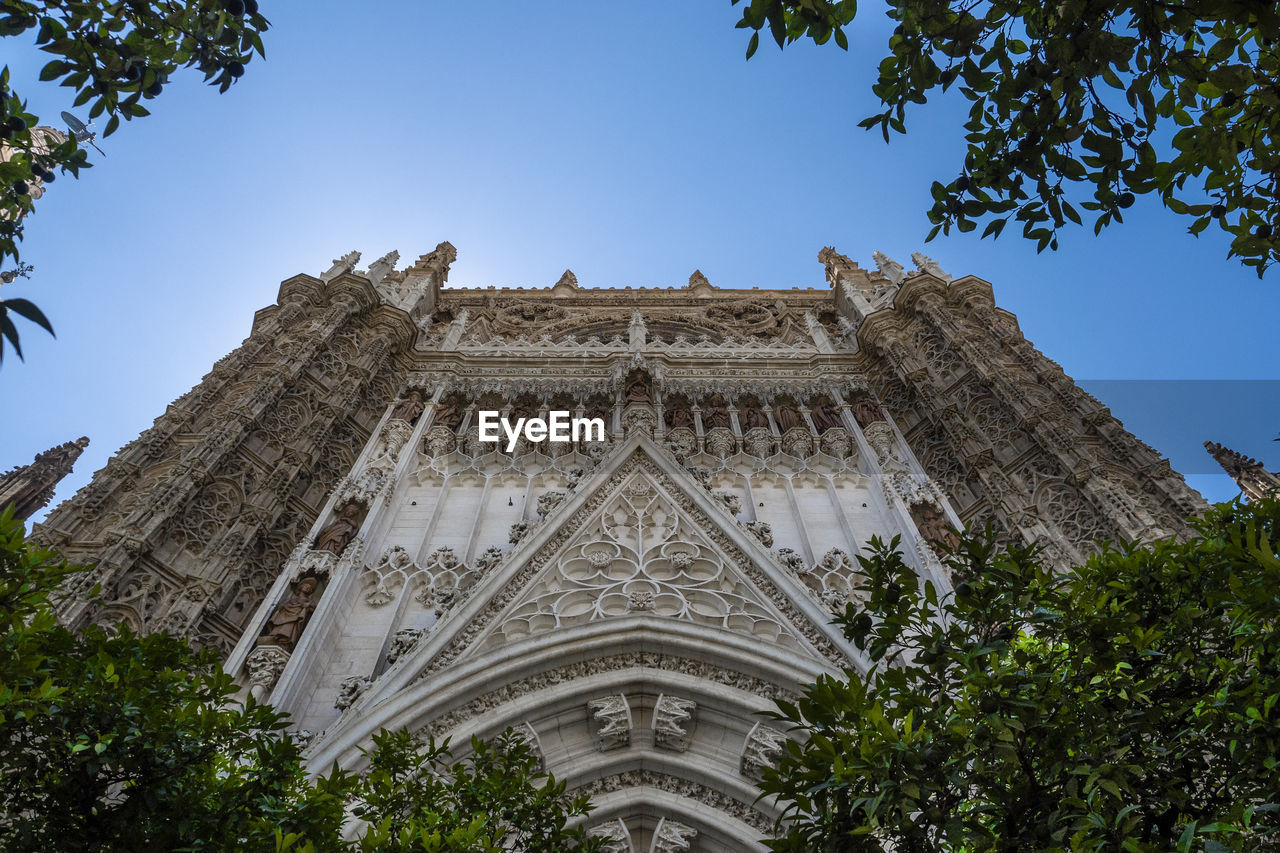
pixel 324 509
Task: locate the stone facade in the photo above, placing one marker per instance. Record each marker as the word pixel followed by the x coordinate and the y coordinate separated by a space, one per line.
pixel 322 510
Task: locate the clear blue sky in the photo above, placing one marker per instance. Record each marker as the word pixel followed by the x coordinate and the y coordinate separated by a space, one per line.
pixel 630 143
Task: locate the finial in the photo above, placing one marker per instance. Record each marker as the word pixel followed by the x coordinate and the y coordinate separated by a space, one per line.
pixel 341 266
pixel 926 264
pixel 698 279
pixel 568 279
pixel 889 268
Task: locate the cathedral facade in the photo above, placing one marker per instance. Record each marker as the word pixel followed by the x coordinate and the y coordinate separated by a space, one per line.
pixel 324 510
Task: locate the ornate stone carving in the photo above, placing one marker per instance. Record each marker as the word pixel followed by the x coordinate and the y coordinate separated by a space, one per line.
pixel 682 443
pixel 611 721
pixel 758 442
pixel 265 663
pixel 763 531
pixel 748 812
pixel 730 501
pixel 638 420
pixel 672 837
pixel 616 838
pixel 350 691
pixel 719 442
pixel 518 530
pixel 409 408
pixel 791 561
pixel 549 500
pixel 673 722
pixel 404 640
pixel 762 749
pixel 798 442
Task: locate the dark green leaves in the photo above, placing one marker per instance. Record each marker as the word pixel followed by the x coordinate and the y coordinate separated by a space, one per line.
pixel 1132 703
pixel 1081 105
pixel 113 55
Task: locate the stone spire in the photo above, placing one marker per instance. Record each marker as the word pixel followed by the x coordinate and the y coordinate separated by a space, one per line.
pixel 1255 481
pixel 30 487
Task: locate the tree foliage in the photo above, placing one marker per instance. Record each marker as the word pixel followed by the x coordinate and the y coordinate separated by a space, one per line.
pixel 120 742
pixel 1082 105
pixel 1128 704
pixel 113 54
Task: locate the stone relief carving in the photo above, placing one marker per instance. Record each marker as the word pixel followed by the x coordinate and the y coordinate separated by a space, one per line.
pixel 403 641
pixel 762 530
pixel 265 664
pixel 337 534
pixel 642 553
pixel 610 721
pixel 350 691
pixel 673 722
pixel 672 837
pixel 747 812
pixel 615 836
pixel 762 749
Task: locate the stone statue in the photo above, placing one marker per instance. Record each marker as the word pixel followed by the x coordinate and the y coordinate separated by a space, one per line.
pixel 824 415
pixel 715 415
pixel 337 535
pixel 678 418
pixel 284 628
pixel 753 417
pixel 448 414
pixel 410 407
pixel 867 411
pixel 789 417
pixel 638 390
pixel 933 527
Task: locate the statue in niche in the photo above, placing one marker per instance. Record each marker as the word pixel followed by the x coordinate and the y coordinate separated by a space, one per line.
pixel 285 625
pixel 638 387
pixel 753 417
pixel 678 418
pixel 867 411
pixel 337 535
pixel 521 411
pixel 789 417
pixel 448 414
pixel 934 528
pixel 409 408
pixel 715 415
pixel 600 410
pixel 824 415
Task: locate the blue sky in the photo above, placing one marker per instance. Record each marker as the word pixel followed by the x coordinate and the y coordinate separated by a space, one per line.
pixel 632 144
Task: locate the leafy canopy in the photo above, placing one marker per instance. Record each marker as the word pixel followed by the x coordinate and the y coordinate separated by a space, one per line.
pixel 1128 704
pixel 1083 105
pixel 113 56
pixel 124 742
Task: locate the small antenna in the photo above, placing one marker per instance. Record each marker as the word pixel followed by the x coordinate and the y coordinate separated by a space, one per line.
pixel 81 131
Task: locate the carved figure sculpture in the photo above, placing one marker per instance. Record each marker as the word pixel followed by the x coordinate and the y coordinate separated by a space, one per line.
pixel 753 417
pixel 678 417
pixel 638 387
pixel 934 528
pixel 715 415
pixel 409 408
pixel 867 411
pixel 448 414
pixel 285 625
pixel 788 417
pixel 824 415
pixel 337 535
